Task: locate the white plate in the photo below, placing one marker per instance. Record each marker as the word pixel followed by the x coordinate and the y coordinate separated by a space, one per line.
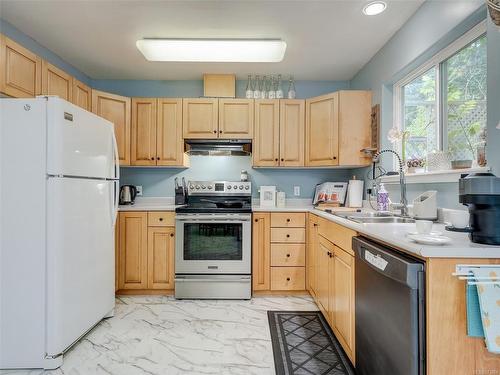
pixel 433 233
pixel 426 239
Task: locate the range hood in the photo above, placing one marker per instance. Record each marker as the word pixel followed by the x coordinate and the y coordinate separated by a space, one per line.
pixel 219 147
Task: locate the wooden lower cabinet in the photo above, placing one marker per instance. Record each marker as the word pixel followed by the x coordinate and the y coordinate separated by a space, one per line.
pixel 161 253
pixel 145 252
pixel 332 279
pixel 261 245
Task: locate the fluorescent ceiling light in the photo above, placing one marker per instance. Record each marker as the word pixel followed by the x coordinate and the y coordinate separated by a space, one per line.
pixel 374 8
pixel 213 50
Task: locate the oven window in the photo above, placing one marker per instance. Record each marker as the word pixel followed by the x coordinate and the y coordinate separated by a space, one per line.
pixel 214 241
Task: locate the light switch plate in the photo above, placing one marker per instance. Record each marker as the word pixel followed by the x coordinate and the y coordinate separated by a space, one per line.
pixel 139 190
pixel 296 191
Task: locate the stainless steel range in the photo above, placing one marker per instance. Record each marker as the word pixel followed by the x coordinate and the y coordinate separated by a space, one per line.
pixel 213 250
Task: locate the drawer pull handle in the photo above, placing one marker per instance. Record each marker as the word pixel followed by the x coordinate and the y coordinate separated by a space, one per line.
pixel 256 220
pixel 161 219
pixel 171 234
pixel 287 236
pixel 287 279
pixel 315 224
pixel 288 255
pixel 287 220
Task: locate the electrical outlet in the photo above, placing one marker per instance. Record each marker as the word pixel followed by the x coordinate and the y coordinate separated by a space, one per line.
pixel 296 191
pixel 139 190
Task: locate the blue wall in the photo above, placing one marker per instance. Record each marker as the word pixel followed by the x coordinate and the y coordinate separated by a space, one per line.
pixel 160 181
pixel 194 89
pixel 31 44
pixel 435 25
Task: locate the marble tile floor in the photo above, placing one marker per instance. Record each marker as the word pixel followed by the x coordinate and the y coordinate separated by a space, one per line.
pixel 160 335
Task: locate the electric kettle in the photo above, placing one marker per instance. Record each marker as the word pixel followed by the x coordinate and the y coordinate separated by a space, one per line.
pixel 127 194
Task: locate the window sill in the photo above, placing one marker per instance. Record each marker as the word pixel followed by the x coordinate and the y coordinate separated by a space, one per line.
pixel 433 177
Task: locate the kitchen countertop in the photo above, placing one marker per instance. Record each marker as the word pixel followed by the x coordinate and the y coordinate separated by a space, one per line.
pixel 150 204
pixel 391 234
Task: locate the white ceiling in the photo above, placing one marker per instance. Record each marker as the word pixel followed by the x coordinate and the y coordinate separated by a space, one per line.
pixel 327 40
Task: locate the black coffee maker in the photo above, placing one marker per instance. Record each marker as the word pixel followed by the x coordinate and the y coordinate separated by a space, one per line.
pixel 480 192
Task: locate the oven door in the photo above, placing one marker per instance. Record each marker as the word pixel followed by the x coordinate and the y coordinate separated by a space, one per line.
pixel 213 244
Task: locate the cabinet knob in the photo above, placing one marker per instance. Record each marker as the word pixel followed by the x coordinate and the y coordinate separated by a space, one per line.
pixel 334 158
pixel 287 279
pixel 157 158
pixel 220 131
pixel 288 255
pixel 287 236
pixel 328 253
pixel 315 224
pixel 152 158
pixel 161 219
pixel 215 131
pixel 276 159
pixel 287 220
pixel 282 159
pixel 171 234
pixel 256 220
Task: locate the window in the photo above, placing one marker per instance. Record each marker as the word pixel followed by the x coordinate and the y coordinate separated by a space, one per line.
pixel 442 105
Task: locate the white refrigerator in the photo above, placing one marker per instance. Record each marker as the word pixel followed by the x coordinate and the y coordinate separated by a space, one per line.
pixel 59 186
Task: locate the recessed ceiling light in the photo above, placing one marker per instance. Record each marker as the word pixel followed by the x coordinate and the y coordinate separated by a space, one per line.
pixel 374 8
pixel 212 50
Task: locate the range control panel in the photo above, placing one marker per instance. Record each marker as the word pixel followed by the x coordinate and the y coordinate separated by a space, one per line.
pixel 219 188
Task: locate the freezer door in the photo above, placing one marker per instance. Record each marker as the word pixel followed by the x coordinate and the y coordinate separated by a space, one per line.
pixel 79 142
pixel 80 258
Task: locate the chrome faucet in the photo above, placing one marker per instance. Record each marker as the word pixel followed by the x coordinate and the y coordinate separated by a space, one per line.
pixel 403 204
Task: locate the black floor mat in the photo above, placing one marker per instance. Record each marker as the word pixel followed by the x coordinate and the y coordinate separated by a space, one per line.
pixel 303 344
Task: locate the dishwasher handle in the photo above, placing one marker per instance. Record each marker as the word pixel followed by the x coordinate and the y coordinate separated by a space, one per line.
pixel 388 262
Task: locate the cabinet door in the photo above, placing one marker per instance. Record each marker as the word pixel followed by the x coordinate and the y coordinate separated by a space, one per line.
pixel 199 118
pixel 323 259
pixel 236 118
pixel 117 252
pixel 115 108
pixel 82 95
pixel 261 249
pixel 343 296
pixel 143 132
pixel 312 250
pixel 169 141
pixel 266 141
pixel 322 131
pixel 133 253
pixel 354 126
pixel 292 129
pixel 56 82
pixel 161 245
pixel 20 70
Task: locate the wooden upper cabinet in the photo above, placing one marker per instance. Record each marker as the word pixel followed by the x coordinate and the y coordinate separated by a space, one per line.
pixel 161 246
pixel 56 82
pixel 20 70
pixel 322 131
pixel 354 126
pixel 115 108
pixel 82 95
pixel 143 133
pixel 236 118
pixel 266 139
pixel 133 250
pixel 169 141
pixel 200 118
pixel 261 251
pixel 292 129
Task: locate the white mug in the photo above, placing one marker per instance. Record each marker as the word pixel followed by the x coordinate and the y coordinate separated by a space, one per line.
pixel 423 226
pixel 458 218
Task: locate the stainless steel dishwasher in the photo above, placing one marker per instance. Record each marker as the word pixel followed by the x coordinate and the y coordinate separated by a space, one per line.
pixel 390 311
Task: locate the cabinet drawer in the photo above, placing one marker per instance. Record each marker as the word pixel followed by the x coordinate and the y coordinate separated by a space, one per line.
pixel 337 234
pixel 294 235
pixel 288 220
pixel 288 278
pixel 288 255
pixel 161 219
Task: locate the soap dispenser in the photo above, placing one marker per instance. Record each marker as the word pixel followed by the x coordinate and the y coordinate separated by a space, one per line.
pixel 382 199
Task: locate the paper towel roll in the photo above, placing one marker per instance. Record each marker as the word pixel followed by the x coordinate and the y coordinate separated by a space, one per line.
pixel 355 193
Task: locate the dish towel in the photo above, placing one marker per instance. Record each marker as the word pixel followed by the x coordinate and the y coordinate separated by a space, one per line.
pixel 489 304
pixel 474 323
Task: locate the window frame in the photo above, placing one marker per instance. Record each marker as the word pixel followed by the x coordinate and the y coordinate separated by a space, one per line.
pixel 435 62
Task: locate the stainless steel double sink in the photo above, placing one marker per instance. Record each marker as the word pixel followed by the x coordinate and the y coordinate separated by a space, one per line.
pixel 374 217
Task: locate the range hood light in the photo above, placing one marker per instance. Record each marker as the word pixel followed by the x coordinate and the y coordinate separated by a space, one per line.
pixel 212 50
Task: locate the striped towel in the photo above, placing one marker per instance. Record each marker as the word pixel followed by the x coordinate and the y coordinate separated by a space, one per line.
pixel 489 303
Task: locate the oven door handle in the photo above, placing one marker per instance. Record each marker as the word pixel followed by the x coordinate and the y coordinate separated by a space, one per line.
pixel 210 219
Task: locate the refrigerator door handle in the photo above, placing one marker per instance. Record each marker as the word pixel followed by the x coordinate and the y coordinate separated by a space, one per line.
pixel 114 210
pixel 117 158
